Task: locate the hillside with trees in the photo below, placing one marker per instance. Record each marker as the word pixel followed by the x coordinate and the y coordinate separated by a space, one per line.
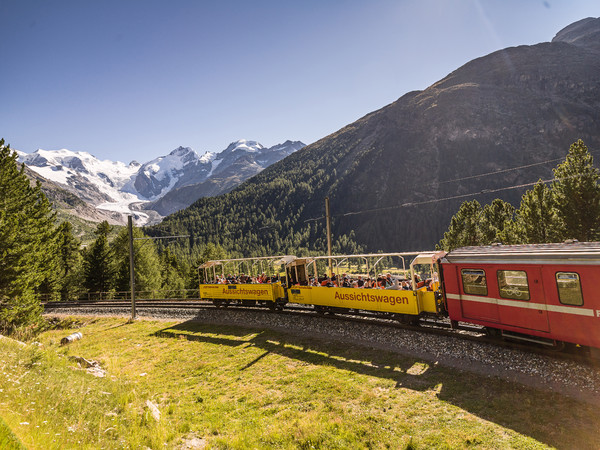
pixel 396 177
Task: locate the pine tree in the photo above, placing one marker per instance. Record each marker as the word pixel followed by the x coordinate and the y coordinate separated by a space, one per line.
pixel 577 195
pixel 69 262
pixel 536 221
pixel 493 220
pixel 26 228
pixel 146 262
pixel 99 266
pixel 173 275
pixel 465 229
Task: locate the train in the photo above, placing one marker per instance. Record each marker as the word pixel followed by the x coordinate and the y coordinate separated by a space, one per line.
pixel 545 294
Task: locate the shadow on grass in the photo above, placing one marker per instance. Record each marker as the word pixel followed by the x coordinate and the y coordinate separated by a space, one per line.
pixel 548 417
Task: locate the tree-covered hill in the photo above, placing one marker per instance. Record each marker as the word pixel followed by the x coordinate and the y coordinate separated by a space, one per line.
pixel 515 107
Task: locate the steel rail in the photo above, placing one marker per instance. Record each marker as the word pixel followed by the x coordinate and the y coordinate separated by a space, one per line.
pixel 441 327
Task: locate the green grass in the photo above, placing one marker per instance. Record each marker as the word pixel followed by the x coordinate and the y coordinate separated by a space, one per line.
pixel 235 387
pixel 8 441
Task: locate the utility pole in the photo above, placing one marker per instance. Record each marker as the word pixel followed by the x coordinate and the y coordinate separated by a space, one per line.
pixel 328 215
pixel 132 257
pixel 131 267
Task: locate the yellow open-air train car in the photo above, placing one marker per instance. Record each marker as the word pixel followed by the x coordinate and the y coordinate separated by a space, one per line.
pixel 295 283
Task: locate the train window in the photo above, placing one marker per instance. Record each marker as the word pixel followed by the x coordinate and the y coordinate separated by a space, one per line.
pixel 474 281
pixel 513 284
pixel 569 288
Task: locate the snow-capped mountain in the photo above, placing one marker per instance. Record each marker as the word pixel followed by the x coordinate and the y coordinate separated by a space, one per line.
pixel 94 180
pixel 129 188
pixel 229 168
pixel 183 165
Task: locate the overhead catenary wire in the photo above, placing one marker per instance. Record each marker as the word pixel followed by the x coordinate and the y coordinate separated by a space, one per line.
pixel 455 197
pixel 436 200
pixel 496 172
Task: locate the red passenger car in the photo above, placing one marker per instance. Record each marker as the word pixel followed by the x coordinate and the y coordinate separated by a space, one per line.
pixel 547 293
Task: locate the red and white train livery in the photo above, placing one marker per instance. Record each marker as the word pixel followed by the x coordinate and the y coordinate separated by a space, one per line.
pixel 543 292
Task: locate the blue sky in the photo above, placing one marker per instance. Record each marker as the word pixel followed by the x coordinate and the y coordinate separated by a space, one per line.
pixel 134 79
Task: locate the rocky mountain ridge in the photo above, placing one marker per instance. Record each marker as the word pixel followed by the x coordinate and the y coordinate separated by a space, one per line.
pixel 116 189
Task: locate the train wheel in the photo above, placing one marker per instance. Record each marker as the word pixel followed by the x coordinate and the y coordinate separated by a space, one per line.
pixel 272 306
pixel 493 332
pixel 319 309
pixel 558 346
pixel 407 319
pixel 218 303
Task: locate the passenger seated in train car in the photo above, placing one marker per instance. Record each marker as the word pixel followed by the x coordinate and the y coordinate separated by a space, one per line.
pixel 418 282
pixel 406 285
pixel 395 284
pixel 334 280
pixel 360 281
pixel 388 280
pixel 345 282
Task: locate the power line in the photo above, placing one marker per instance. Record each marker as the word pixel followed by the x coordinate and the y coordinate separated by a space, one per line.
pixel 437 183
pixel 495 172
pixel 436 200
pixel 526 166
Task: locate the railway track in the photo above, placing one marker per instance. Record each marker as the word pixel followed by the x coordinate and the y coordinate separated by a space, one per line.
pixel 440 327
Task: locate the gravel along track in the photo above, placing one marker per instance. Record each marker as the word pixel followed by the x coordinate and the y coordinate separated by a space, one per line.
pixel 578 380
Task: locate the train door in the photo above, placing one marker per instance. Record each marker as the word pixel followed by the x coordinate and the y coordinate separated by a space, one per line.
pixel 521 298
pixel 297 273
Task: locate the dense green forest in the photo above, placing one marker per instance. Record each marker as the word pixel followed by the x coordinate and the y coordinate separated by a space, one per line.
pixel 43 260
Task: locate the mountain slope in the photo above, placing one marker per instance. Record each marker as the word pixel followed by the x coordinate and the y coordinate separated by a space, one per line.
pixel 514 107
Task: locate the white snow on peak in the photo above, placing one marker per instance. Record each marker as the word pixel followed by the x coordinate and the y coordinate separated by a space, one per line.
pixel 163 165
pixel 62 165
pixel 208 157
pixel 246 145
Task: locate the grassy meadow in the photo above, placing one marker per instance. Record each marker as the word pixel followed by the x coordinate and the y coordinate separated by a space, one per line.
pixel 189 385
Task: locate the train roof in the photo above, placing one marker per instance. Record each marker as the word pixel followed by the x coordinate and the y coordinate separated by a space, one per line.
pixel 571 252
